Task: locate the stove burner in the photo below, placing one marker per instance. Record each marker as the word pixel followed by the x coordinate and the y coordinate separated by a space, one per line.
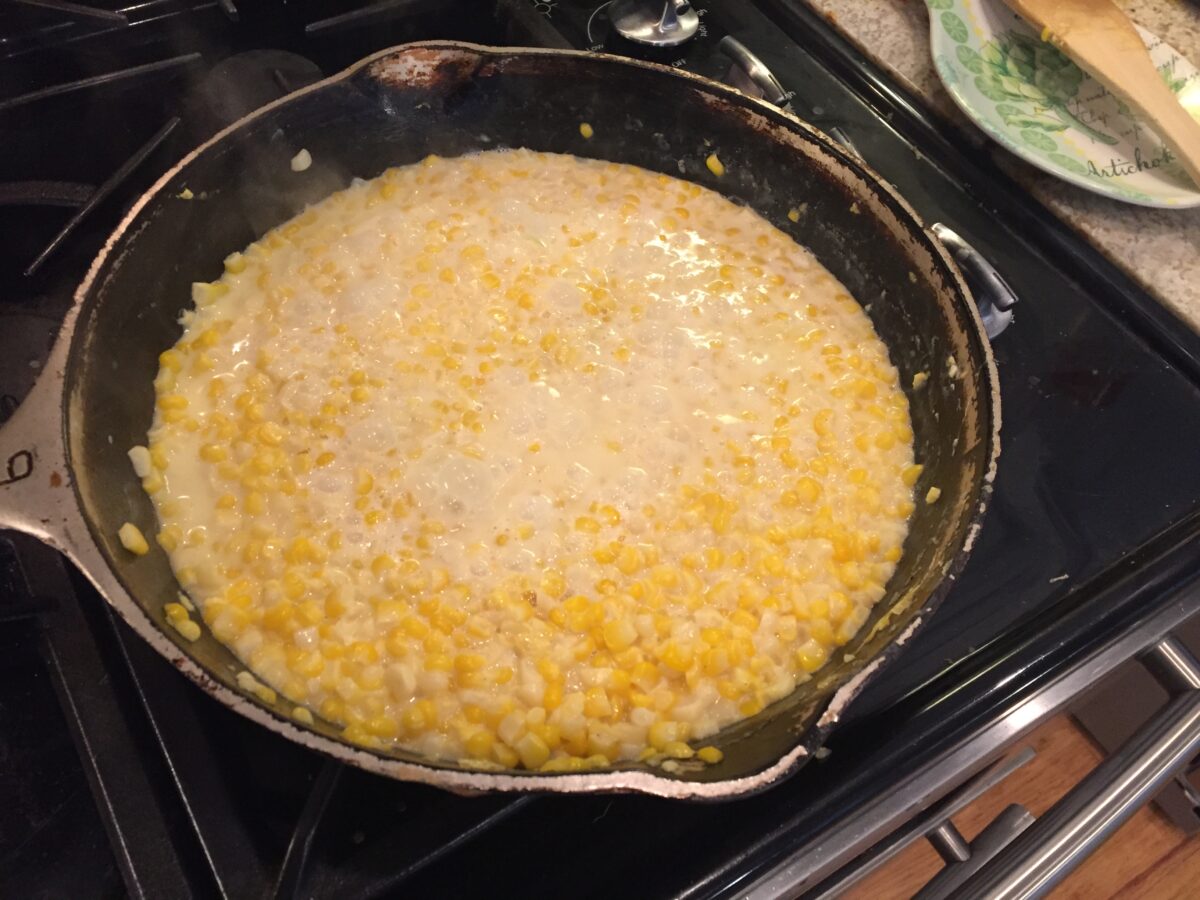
pixel 101 193
pixel 77 11
pixel 95 81
pixel 242 83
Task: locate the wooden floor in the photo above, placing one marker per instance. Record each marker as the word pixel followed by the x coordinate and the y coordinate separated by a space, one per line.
pixel 1148 858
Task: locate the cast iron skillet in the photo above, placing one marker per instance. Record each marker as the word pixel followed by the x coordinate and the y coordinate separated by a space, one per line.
pixel 69 481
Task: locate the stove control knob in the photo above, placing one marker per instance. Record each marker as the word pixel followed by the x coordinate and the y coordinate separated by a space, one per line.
pixel 654 23
pixel 750 75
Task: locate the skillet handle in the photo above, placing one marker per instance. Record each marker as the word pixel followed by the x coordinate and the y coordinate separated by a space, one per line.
pixel 36 495
pixel 994 298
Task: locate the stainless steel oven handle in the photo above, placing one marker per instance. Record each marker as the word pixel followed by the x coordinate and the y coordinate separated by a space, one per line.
pixel 993 296
pixel 1046 852
pixel 972 857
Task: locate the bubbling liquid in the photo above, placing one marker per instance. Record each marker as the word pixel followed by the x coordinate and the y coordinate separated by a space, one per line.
pixel 527 460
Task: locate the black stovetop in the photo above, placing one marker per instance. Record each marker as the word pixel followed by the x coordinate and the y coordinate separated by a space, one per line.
pixel 117 776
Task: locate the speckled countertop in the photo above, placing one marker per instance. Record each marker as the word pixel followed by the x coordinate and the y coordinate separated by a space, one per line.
pixel 1160 248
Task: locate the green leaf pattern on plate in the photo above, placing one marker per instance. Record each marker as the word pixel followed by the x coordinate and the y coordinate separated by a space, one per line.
pixel 1031 83
pixel 1067 162
pixel 955 27
pixel 1038 139
pixel 969 58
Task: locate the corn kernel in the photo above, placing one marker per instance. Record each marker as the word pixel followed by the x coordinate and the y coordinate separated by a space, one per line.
pixel 619 634
pixel 678 750
pixel 133 540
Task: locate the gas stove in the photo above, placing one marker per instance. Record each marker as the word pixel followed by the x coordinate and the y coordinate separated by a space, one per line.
pixel 121 777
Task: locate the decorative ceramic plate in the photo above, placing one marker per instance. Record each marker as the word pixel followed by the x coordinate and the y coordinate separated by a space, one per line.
pixel 1034 101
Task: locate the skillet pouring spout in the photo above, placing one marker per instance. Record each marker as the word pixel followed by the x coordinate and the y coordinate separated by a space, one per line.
pixel 64 471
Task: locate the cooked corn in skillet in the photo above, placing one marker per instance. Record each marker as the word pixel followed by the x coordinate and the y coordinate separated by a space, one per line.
pixel 525 460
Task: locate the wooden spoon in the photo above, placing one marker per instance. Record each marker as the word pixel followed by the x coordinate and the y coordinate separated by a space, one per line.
pixel 1099 37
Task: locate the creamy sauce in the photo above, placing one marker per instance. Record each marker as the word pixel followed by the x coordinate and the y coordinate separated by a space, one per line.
pixel 530 460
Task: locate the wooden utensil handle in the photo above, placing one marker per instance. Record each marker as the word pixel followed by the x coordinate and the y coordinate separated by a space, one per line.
pixel 1102 40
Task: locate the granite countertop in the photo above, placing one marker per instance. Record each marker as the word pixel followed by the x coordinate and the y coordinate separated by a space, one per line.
pixel 1159 248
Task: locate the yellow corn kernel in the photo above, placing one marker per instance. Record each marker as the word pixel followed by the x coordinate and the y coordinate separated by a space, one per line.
pixel 271 434
pixel 533 750
pixel 363 481
pixel 414 719
pixel 133 540
pixel 204 294
pixel 811 656
pixel 665 575
pixel 555 585
pixel 910 474
pixel 933 494
pixel 715 661
pixel 168 538
pixel 629 560
pixel 710 755
pixel 823 422
pixel 586 130
pixel 187 628
pixel 619 634
pixel 508 757
pixel 171 360
pixel 715 165
pixel 678 750
pixel 596 703
pixel 479 743
pixel 750 707
pixel 469 662
pixel 676 656
pixel 821 631
pixel 383 727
